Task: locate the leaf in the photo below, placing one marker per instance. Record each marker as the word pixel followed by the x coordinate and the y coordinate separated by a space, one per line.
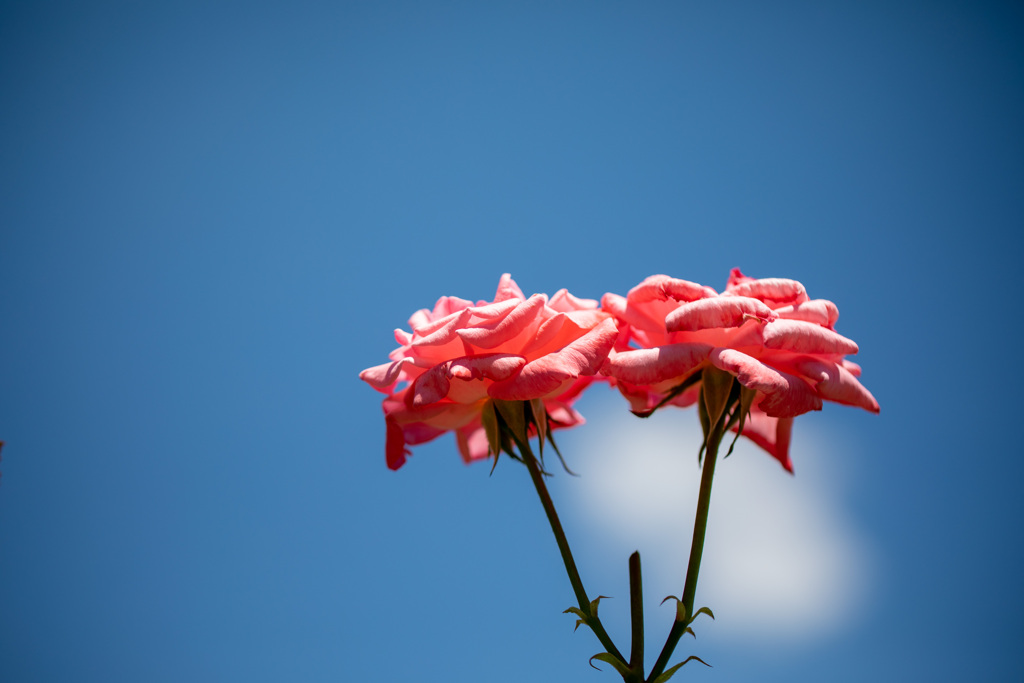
pixel 575 610
pixel 680 608
pixel 608 657
pixel 594 603
pixel 702 610
pixel 670 672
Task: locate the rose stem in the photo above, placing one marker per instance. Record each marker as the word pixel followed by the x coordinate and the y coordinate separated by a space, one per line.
pixel 563 547
pixel 700 525
pixel 636 604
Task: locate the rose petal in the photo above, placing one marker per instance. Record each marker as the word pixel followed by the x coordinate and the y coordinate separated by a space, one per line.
pixel 817 311
pixel 436 383
pixel 564 302
pixel 394 445
pixel 662 363
pixel 773 434
pixel 836 383
pixel 804 337
pixel 507 289
pixel 717 312
pixel 548 373
pixel 472 442
pixel 664 288
pixel 519 320
pixel 773 291
pixel 785 395
pixel 383 377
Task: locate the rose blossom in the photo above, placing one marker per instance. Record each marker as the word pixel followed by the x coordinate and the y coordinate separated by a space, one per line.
pixel 767 333
pixel 459 355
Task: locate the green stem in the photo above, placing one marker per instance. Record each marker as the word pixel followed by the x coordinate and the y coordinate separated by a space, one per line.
pixel 700 525
pixel 636 604
pixel 563 547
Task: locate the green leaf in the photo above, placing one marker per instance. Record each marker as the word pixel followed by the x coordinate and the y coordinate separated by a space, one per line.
pixel 608 657
pixel 670 672
pixel 594 603
pixel 575 610
pixel 680 608
pixel 702 610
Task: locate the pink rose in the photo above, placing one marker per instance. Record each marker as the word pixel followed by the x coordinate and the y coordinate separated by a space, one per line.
pixel 766 333
pixel 460 355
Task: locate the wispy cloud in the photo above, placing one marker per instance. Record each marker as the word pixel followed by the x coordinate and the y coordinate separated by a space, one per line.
pixel 783 561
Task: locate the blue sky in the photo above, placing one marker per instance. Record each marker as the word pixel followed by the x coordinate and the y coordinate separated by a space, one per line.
pixel 213 215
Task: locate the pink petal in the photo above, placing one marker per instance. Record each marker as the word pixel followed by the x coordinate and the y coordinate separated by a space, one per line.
pixel 773 434
pixel 851 367
pixel 441 331
pixel 662 363
pixel 549 373
pixel 785 395
pixel 394 446
pixel 564 302
pixel 836 383
pixel 507 289
pixel 560 330
pixel 664 288
pixel 472 442
pixel 736 277
pixel 720 311
pixel 518 320
pixel 383 377
pixel 641 318
pixel 436 383
pixel 804 337
pixel 773 291
pixel 817 311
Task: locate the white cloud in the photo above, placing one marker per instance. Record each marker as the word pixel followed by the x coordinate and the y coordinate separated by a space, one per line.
pixel 782 561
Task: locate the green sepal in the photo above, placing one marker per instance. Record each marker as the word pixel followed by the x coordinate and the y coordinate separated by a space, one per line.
pixel 675 391
pixel 746 401
pixel 490 421
pixel 551 440
pixel 539 417
pixel 690 631
pixel 705 425
pixel 715 388
pixel 608 657
pixel 513 413
pixel 668 673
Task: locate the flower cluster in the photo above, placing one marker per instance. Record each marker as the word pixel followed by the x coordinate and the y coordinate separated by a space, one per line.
pixel 652 344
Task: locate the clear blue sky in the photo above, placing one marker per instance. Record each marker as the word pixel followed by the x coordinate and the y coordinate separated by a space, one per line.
pixel 212 216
